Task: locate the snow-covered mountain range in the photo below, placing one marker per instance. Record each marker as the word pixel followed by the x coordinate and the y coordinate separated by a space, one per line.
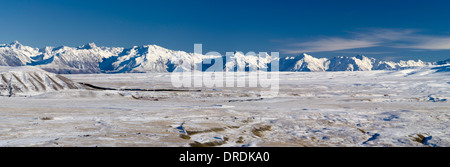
pixel 306 62
pixel 90 58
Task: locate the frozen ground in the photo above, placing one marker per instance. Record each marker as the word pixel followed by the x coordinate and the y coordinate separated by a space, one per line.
pixel 368 108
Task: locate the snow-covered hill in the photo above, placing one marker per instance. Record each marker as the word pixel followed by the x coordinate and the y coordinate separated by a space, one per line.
pixel 27 80
pixel 90 58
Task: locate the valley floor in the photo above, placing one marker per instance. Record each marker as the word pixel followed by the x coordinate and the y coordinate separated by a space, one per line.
pixel 368 108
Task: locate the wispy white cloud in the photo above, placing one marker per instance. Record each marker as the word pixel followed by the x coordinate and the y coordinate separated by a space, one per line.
pixel 334 44
pixel 366 38
pixel 384 34
pixel 364 53
pixel 428 43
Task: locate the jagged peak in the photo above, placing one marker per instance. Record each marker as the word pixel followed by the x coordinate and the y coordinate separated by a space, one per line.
pixel 360 57
pixel 305 55
pixel 15 44
pixel 88 46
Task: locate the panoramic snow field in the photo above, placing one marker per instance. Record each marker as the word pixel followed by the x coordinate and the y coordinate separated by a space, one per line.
pixel 408 107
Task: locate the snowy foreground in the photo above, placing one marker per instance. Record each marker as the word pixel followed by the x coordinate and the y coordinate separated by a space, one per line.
pixel 407 107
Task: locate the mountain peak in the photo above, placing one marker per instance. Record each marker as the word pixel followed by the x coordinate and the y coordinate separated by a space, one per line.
pixel 15 44
pixel 88 46
pixel 305 55
pixel 360 57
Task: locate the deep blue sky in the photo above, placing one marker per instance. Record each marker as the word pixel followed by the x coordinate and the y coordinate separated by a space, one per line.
pixel 382 29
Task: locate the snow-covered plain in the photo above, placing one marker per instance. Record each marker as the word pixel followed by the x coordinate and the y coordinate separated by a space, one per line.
pixel 407 107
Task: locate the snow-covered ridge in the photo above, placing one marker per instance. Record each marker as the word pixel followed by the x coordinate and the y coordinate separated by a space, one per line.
pixel 26 80
pixel 305 62
pixel 91 58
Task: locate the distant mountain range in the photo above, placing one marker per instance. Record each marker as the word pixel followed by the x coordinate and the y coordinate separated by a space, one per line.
pixel 305 62
pixel 90 58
